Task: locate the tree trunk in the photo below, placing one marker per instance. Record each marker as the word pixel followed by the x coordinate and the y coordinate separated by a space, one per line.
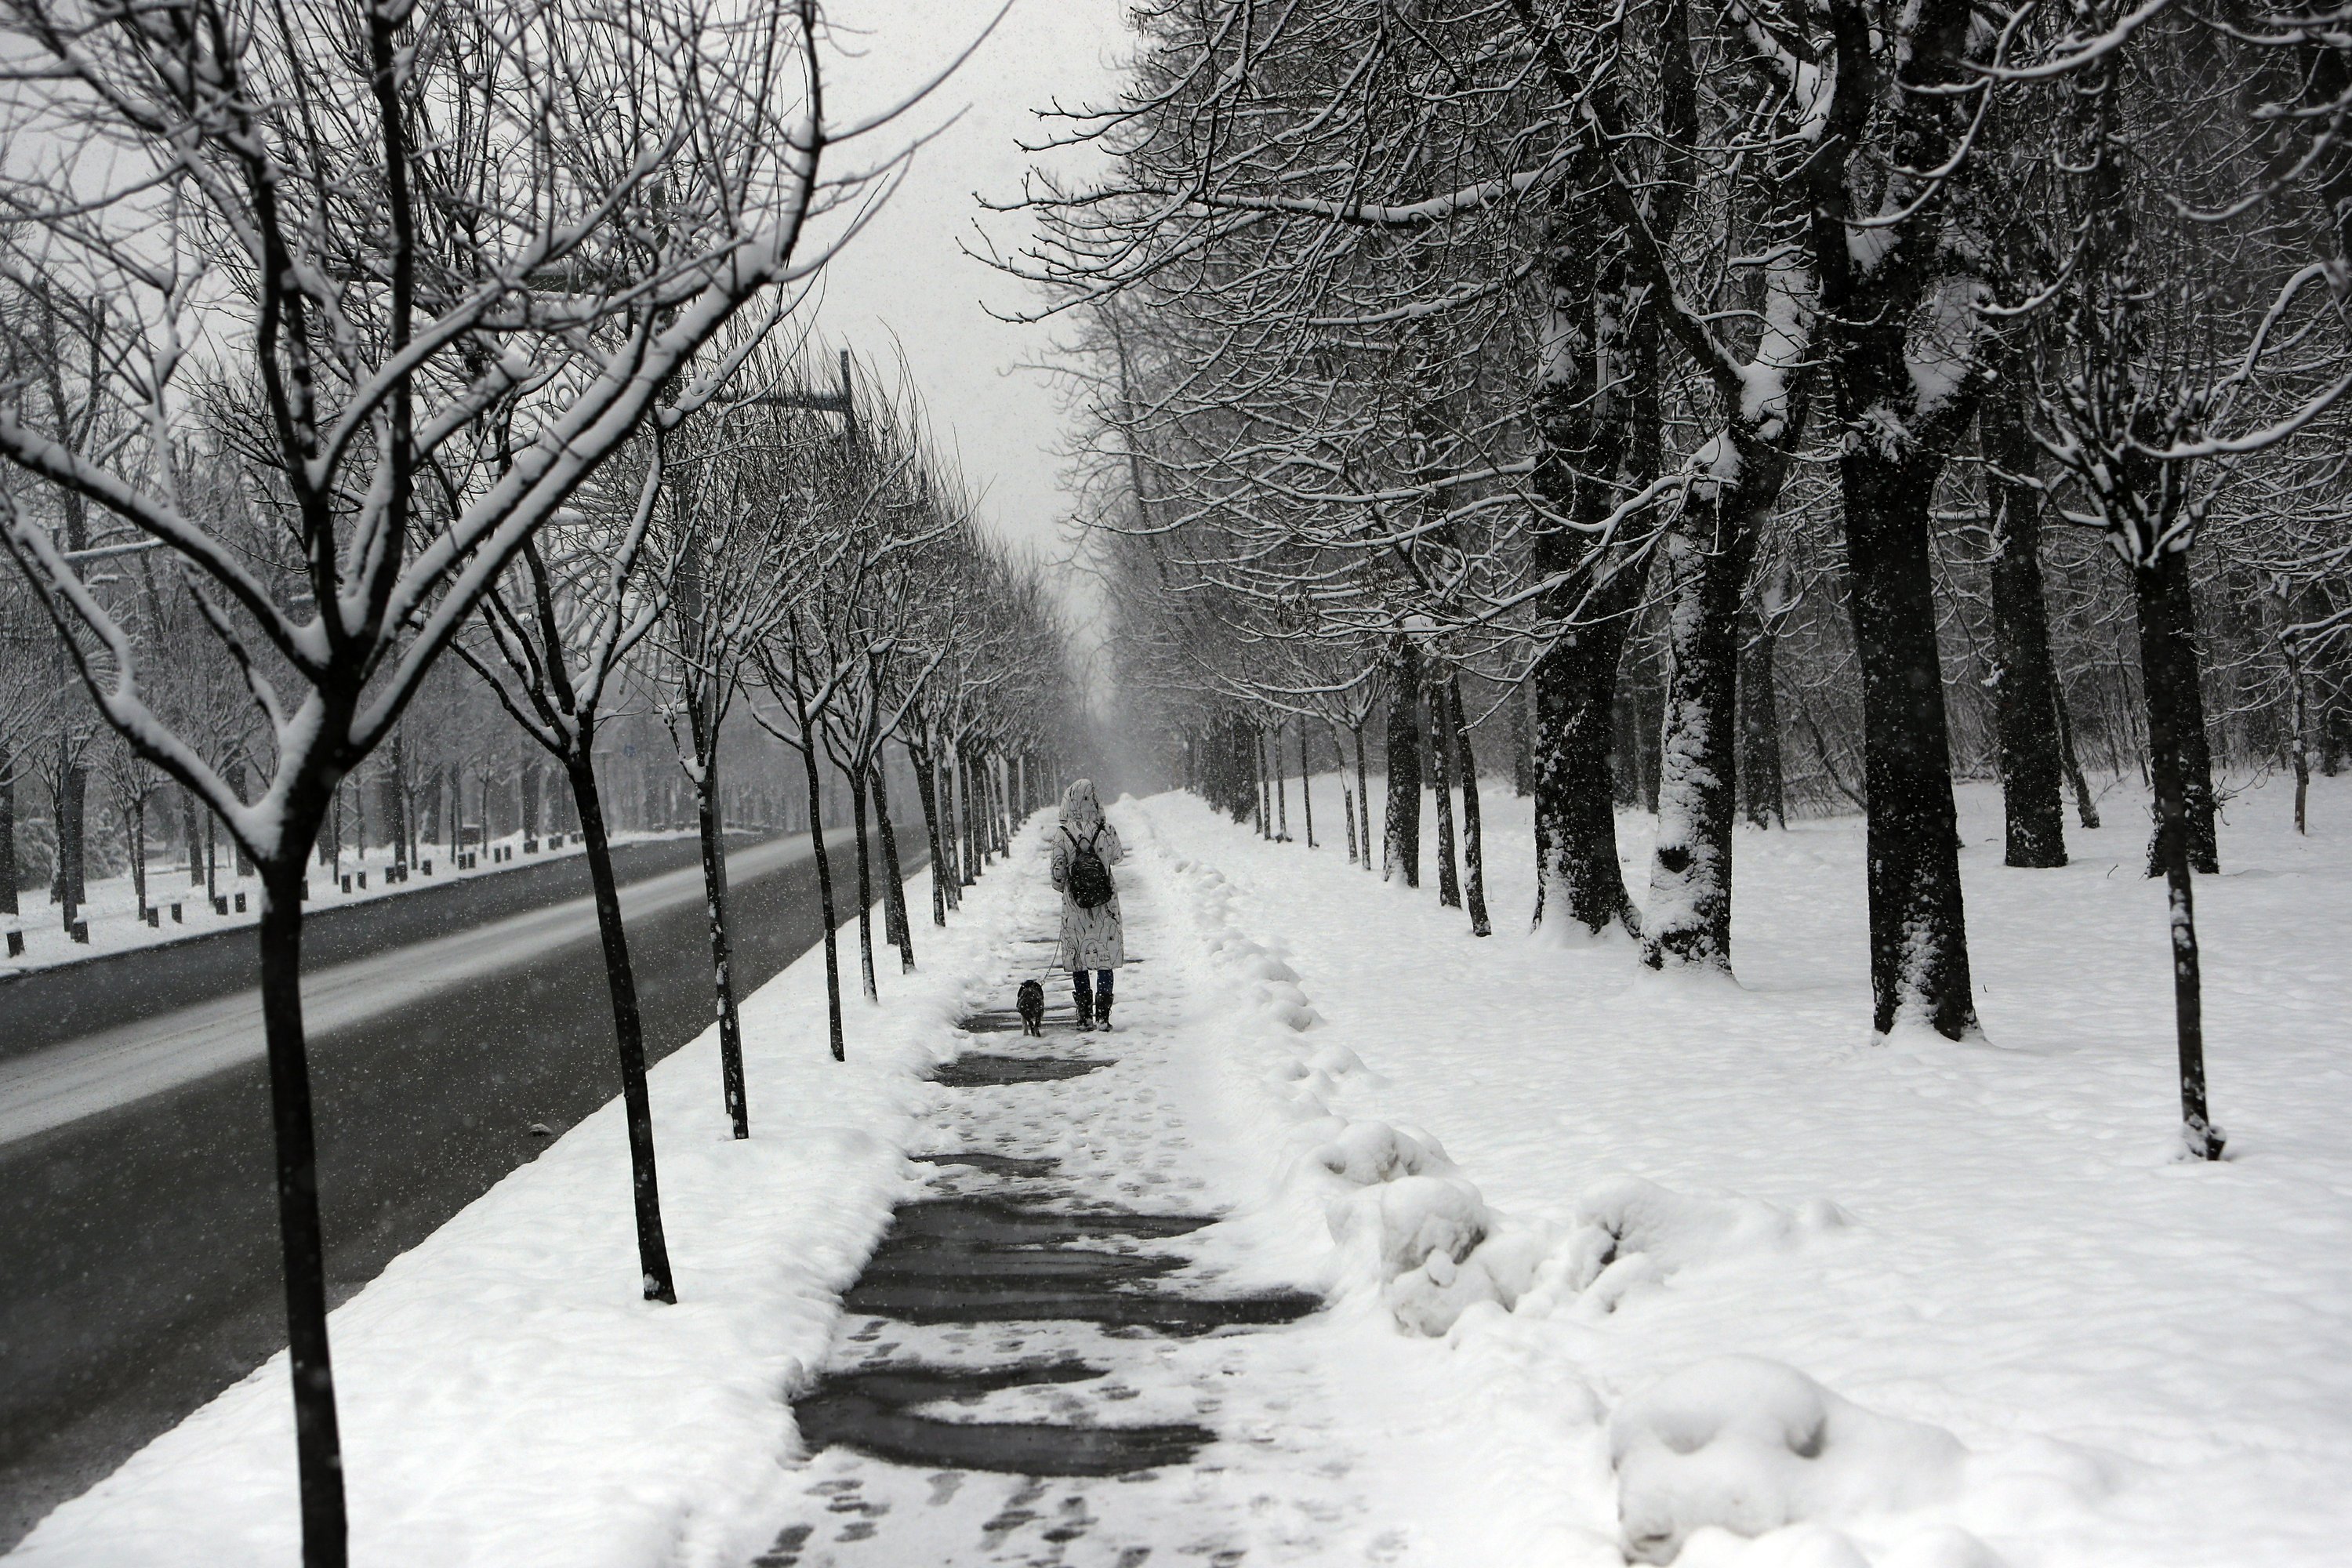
pixel 1363 799
pixel 1347 795
pixel 1918 931
pixel 864 891
pixel 134 839
pixel 1689 916
pixel 714 887
pixel 1523 751
pixel 527 788
pixel 927 793
pixel 2169 678
pixel 1578 877
pixel 2179 664
pixel 237 845
pixel 2087 809
pixel 1281 787
pixel 1441 772
pixel 2024 687
pixel 8 833
pixel 1305 785
pixel 1760 782
pixel 896 926
pixel 73 794
pixel 1401 837
pixel 825 893
pixel 192 833
pixel 1264 795
pixel 396 801
pixel 2298 750
pixel 318 1444
pixel 628 1032
pixel 970 820
pixel 1465 767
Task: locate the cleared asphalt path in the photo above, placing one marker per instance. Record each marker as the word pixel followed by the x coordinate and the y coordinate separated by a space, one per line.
pixel 138 1241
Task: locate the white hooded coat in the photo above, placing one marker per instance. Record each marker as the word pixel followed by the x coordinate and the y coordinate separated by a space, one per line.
pixel 1091 939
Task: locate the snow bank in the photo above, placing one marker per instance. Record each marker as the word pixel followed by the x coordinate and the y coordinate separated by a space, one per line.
pixel 1750 1444
pixel 1403 1217
pixel 508 1399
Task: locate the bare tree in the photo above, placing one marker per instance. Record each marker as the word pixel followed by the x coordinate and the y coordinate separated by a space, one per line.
pixel 370 243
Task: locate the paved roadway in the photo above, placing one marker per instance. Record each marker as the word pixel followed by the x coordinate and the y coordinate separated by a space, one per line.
pixel 138 1235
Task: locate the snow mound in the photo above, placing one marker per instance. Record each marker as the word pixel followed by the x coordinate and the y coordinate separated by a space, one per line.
pixel 1369 1152
pixel 1750 1446
pixel 1631 1232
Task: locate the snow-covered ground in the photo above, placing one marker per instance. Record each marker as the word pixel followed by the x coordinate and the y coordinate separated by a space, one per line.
pixel 111 906
pixel 506 1395
pixel 2143 1362
pixel 1616 1264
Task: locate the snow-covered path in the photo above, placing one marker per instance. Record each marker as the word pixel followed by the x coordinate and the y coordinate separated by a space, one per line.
pixel 1064 1282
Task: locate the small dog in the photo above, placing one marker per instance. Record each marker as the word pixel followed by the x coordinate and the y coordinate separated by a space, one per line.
pixel 1031 1000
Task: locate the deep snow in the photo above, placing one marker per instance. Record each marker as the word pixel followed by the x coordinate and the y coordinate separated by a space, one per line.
pixel 1617 1264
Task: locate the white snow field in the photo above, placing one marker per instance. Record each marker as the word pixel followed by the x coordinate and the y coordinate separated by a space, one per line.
pixel 1617 1266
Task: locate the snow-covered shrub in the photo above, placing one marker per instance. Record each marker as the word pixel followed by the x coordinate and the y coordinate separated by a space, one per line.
pixel 1631 1232
pixel 1369 1152
pixel 1748 1444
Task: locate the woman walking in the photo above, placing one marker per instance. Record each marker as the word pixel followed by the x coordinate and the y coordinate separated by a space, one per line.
pixel 1086 847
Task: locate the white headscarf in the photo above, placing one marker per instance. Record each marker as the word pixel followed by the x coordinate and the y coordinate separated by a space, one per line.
pixel 1081 808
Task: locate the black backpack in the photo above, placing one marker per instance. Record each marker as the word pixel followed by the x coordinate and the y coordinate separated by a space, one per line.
pixel 1089 879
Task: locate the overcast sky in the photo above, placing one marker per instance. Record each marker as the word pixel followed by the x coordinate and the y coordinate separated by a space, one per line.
pixel 904 274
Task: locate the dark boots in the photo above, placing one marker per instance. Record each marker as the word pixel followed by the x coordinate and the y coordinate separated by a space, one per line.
pixel 1093 994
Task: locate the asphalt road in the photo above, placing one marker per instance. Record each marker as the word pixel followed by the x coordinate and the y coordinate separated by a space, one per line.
pixel 138 1242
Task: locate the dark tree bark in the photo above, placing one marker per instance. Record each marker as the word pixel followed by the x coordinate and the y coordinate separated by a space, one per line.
pixel 1575 788
pixel 134 839
pixel 1400 840
pixel 1918 935
pixel 807 749
pixel 1689 916
pixel 864 891
pixel 1894 445
pixel 318 1441
pixel 1441 771
pixel 1265 794
pixel 2179 666
pixel 714 885
pixel 1597 411
pixel 1281 787
pixel 72 802
pixel 1473 848
pixel 968 817
pixel 1363 799
pixel 2025 684
pixel 1761 786
pixel 8 833
pixel 1306 784
pixel 896 927
pixel 628 1030
pixel 190 834
pixel 2168 674
pixel 1347 795
pixel 2086 808
pixel 1523 754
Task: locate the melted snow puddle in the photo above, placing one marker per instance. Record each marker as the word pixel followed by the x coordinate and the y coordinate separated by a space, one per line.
pixel 1037 1365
